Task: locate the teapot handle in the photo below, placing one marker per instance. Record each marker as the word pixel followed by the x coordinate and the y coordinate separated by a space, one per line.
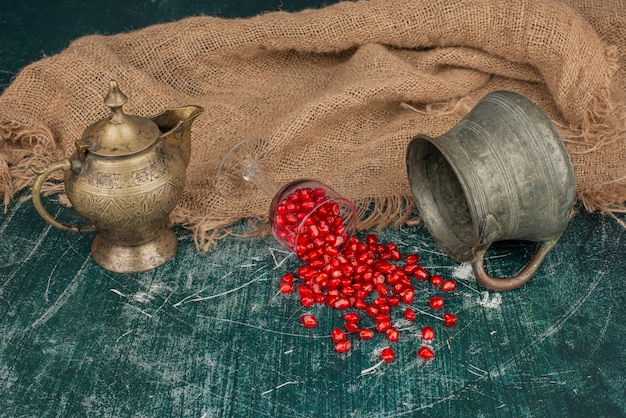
pixel 510 283
pixel 44 172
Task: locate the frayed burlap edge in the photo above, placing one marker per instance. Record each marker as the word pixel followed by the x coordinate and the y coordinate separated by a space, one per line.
pixel 604 123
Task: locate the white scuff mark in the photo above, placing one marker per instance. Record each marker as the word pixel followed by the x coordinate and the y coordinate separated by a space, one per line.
pixel 200 299
pixel 281 386
pixel 371 370
pixel 288 334
pixel 189 281
pixel 67 293
pixel 122 336
pixel 488 302
pixel 286 256
pixel 288 352
pixel 463 271
pixel 148 296
pixel 177 304
pixel 247 266
pixel 551 330
pixel 118 293
pixel 477 371
pixel 142 297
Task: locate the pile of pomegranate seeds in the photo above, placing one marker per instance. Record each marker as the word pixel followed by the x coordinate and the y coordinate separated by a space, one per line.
pixel 370 278
pixel 310 223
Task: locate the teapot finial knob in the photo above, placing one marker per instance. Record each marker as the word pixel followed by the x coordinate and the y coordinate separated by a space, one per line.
pixel 115 99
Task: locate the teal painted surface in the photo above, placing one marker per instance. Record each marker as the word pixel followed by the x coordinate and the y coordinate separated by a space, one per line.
pixel 209 334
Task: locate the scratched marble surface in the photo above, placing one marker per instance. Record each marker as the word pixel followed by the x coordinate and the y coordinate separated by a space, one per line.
pixel 209 335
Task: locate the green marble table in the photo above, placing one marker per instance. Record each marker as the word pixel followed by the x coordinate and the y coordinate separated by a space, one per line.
pixel 209 335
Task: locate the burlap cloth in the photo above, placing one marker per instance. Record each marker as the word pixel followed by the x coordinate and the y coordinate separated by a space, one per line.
pixel 337 93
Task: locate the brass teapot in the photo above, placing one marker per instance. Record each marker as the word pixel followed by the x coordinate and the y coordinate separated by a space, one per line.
pixel 125 177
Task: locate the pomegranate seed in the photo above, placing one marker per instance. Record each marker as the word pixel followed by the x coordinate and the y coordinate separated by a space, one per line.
pixel 382 290
pixel 382 318
pixel 383 326
pixel 359 304
pixel 412 259
pixel 384 267
pixel 393 301
pixel 392 334
pixel 384 309
pixel 407 296
pixel 286 287
pixel 342 303
pixel 307 301
pixel 337 335
pixel 410 268
pixel 426 353
pixel 287 278
pixel 387 355
pixel 366 334
pixel 352 326
pixel 448 285
pixel 331 300
pixel 371 310
pixel 409 314
pixel 371 239
pixel 436 302
pixel 449 319
pixel 428 334
pixel 436 280
pixel 351 317
pixel 308 320
pixel 421 274
pixel 343 346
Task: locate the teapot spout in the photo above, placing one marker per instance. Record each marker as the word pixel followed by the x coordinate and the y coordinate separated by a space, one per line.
pixel 175 126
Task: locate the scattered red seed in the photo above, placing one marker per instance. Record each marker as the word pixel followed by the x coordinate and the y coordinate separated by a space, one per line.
pixel 428 334
pixel 407 295
pixel 392 334
pixel 449 319
pixel 421 274
pixel 352 326
pixel 342 303
pixel 288 278
pixel 436 280
pixel 436 302
pixel 409 314
pixel 366 334
pixel 448 285
pixel 412 259
pixel 351 317
pixel 343 346
pixel 337 335
pixel 387 355
pixel 286 288
pixel 308 320
pixel 344 272
pixel 426 353
pixel 383 326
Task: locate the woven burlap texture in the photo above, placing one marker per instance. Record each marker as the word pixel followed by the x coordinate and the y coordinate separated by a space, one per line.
pixel 336 94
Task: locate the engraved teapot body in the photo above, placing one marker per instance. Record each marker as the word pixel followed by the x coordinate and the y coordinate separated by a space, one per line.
pixel 125 178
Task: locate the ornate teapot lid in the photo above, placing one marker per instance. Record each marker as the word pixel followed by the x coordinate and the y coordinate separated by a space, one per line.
pixel 119 134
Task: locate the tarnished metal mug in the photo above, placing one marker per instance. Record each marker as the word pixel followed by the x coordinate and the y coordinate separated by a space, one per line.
pixel 502 173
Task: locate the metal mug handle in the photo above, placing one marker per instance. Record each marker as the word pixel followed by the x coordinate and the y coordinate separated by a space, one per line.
pixel 510 283
pixel 44 172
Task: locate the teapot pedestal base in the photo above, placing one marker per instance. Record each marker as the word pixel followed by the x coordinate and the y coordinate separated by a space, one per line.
pixel 135 258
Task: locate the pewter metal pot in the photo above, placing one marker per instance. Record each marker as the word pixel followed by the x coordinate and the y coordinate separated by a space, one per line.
pixel 502 173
